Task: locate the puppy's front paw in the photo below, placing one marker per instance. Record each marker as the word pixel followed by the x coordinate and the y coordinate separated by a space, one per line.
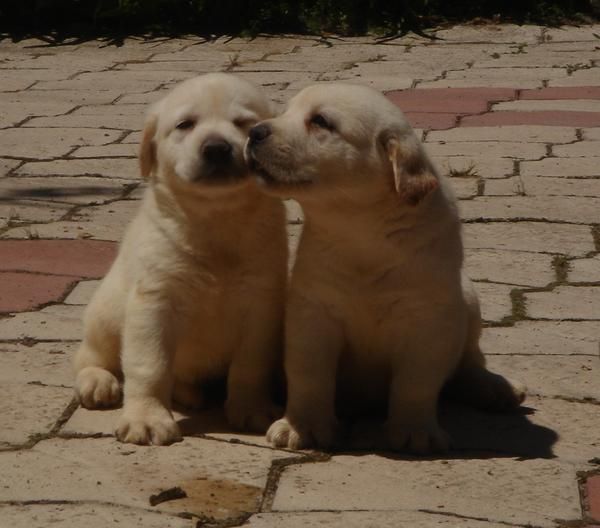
pixel 420 439
pixel 148 426
pixel 97 387
pixel 254 416
pixel 283 434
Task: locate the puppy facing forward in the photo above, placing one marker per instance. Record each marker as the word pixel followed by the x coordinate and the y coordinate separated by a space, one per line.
pixel 379 312
pixel 197 289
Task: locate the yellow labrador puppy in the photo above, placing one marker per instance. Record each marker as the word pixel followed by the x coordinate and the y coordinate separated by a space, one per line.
pixel 197 289
pixel 379 311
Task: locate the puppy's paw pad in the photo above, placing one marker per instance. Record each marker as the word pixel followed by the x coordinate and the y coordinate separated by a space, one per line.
pixel 97 388
pixel 420 440
pixel 254 417
pixel 157 430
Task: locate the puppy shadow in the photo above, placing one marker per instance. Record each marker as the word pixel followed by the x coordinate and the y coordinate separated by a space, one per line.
pixel 210 420
pixel 474 434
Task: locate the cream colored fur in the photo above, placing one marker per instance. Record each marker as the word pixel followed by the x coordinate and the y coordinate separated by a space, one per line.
pixel 379 310
pixel 197 289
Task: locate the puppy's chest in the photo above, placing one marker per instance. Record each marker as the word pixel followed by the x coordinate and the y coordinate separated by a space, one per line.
pixel 374 310
pixel 209 322
pixel 210 295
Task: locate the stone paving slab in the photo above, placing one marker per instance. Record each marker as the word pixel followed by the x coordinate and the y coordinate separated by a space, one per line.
pixel 128 475
pixel 18 142
pixel 536 237
pixel 527 134
pixel 37 363
pixel 102 222
pixel 544 337
pixel 496 149
pixel 510 112
pixel 585 270
pixel 119 168
pixel 82 293
pixel 482 165
pixel 556 376
pixel 576 210
pixel 506 33
pixel 523 269
pixel 91 515
pixel 561 167
pixel 580 149
pixel 557 186
pixel 463 488
pixel 387 519
pixel 25 212
pixel 590 133
pixel 53 323
pixel 565 302
pixel 20 421
pixel 577 78
pixel 495 301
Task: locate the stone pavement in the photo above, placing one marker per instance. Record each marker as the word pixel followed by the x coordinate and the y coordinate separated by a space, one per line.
pixel 511 113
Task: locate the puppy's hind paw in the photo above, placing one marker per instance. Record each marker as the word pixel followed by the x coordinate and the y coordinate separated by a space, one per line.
pixel 507 394
pixel 254 417
pixel 97 388
pixel 489 391
pixel 282 434
pixel 420 440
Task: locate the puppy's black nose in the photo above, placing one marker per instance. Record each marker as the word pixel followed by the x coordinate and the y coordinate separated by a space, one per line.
pixel 259 133
pixel 217 151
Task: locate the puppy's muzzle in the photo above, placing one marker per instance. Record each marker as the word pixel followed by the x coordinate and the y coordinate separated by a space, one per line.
pixel 217 152
pixel 258 134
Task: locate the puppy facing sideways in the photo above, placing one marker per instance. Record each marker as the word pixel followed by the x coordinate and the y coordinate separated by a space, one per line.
pixel 197 289
pixel 379 312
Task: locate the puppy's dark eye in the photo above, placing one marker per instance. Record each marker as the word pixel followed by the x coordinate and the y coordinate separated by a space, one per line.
pixel 321 121
pixel 185 124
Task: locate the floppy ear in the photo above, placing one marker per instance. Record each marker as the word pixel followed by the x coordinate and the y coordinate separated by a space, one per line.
pixel 414 177
pixel 147 152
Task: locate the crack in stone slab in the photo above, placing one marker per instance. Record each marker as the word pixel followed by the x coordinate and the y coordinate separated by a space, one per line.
pixel 277 468
pixel 474 518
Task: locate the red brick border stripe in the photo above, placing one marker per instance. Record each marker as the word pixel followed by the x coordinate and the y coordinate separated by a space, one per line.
pixel 546 117
pixel 37 272
pixel 22 291
pixel 443 108
pixel 74 258
pixel 592 497
pixel 450 100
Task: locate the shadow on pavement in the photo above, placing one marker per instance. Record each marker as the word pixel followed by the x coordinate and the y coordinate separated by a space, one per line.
pixel 57 192
pixel 475 434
